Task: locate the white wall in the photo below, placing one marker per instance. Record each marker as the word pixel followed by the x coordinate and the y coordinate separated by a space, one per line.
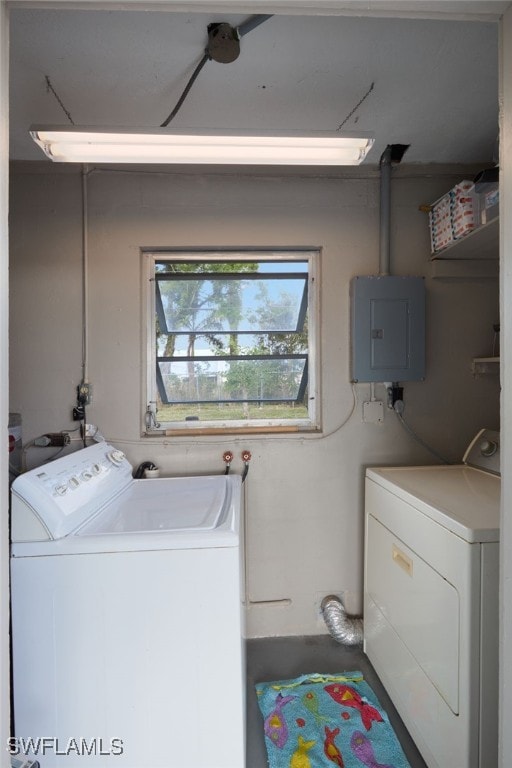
pixel 505 742
pixel 304 493
pixel 4 324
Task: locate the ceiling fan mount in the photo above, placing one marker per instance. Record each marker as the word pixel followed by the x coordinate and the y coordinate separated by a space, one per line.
pixel 223 42
pixel 223 46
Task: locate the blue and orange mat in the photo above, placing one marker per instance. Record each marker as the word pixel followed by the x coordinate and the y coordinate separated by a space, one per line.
pixel 327 720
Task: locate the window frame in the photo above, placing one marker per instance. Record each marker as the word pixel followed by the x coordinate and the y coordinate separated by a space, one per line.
pixel 151 425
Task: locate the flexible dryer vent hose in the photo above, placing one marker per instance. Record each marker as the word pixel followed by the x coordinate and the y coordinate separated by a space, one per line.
pixel 344 629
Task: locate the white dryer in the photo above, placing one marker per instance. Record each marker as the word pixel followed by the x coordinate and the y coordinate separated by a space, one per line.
pixel 128 641
pixel 431 601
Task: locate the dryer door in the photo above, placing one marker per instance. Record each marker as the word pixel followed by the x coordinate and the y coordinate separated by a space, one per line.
pixel 420 605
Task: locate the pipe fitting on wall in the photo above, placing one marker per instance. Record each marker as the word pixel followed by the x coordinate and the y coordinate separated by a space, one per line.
pixel 344 629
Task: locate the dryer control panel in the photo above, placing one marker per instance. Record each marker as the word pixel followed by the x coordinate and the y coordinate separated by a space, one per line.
pixel 484 451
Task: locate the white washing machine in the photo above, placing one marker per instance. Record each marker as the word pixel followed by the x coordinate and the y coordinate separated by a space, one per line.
pixel 127 616
pixel 431 601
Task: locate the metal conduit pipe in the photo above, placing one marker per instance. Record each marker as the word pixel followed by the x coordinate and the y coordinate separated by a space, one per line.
pixel 385 211
pixel 392 155
pixel 344 629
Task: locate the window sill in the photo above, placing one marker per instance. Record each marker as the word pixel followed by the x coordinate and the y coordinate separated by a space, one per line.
pixel 200 431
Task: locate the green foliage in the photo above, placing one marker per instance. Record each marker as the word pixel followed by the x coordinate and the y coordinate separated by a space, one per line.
pixel 212 310
pixel 200 306
pixel 231 411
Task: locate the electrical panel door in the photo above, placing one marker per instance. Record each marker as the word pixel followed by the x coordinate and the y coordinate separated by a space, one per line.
pixel 388 328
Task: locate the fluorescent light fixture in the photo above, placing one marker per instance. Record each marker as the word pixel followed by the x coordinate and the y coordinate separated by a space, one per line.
pixel 112 145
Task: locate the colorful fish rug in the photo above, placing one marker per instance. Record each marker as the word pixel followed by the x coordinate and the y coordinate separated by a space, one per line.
pixel 321 721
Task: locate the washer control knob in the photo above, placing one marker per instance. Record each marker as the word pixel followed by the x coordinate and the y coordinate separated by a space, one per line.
pixel 116 457
pixel 488 447
pixel 60 489
pixel 95 469
pixel 86 475
pixel 74 482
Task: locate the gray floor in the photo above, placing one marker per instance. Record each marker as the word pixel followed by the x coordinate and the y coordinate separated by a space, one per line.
pixel 282 658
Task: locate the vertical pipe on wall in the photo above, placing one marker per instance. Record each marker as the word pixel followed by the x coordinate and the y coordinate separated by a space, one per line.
pixel 385 211
pixel 85 285
pixel 392 155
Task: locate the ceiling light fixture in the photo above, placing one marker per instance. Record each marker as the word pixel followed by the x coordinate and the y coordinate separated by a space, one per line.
pixel 107 145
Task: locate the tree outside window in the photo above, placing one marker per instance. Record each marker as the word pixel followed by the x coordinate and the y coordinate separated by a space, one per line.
pixel 232 337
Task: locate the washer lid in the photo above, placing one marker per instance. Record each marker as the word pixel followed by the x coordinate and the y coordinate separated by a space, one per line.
pixel 165 504
pixel 463 499
pixel 154 515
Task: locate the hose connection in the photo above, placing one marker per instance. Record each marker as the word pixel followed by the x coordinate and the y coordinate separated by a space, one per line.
pixel 246 457
pixel 227 458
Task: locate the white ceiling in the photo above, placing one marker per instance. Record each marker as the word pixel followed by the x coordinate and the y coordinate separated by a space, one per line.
pixel 435 81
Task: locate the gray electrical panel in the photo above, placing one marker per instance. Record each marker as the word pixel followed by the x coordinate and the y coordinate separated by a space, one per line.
pixel 388 328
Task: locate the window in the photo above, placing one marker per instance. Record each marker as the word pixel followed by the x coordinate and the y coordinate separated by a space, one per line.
pixel 230 339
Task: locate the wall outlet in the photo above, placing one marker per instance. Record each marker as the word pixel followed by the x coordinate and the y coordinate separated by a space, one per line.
pixel 84 393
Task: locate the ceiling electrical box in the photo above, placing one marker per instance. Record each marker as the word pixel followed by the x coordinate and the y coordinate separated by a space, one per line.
pixel 388 328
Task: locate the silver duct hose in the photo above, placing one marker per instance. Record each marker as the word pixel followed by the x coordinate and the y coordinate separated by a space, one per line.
pixel 344 629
